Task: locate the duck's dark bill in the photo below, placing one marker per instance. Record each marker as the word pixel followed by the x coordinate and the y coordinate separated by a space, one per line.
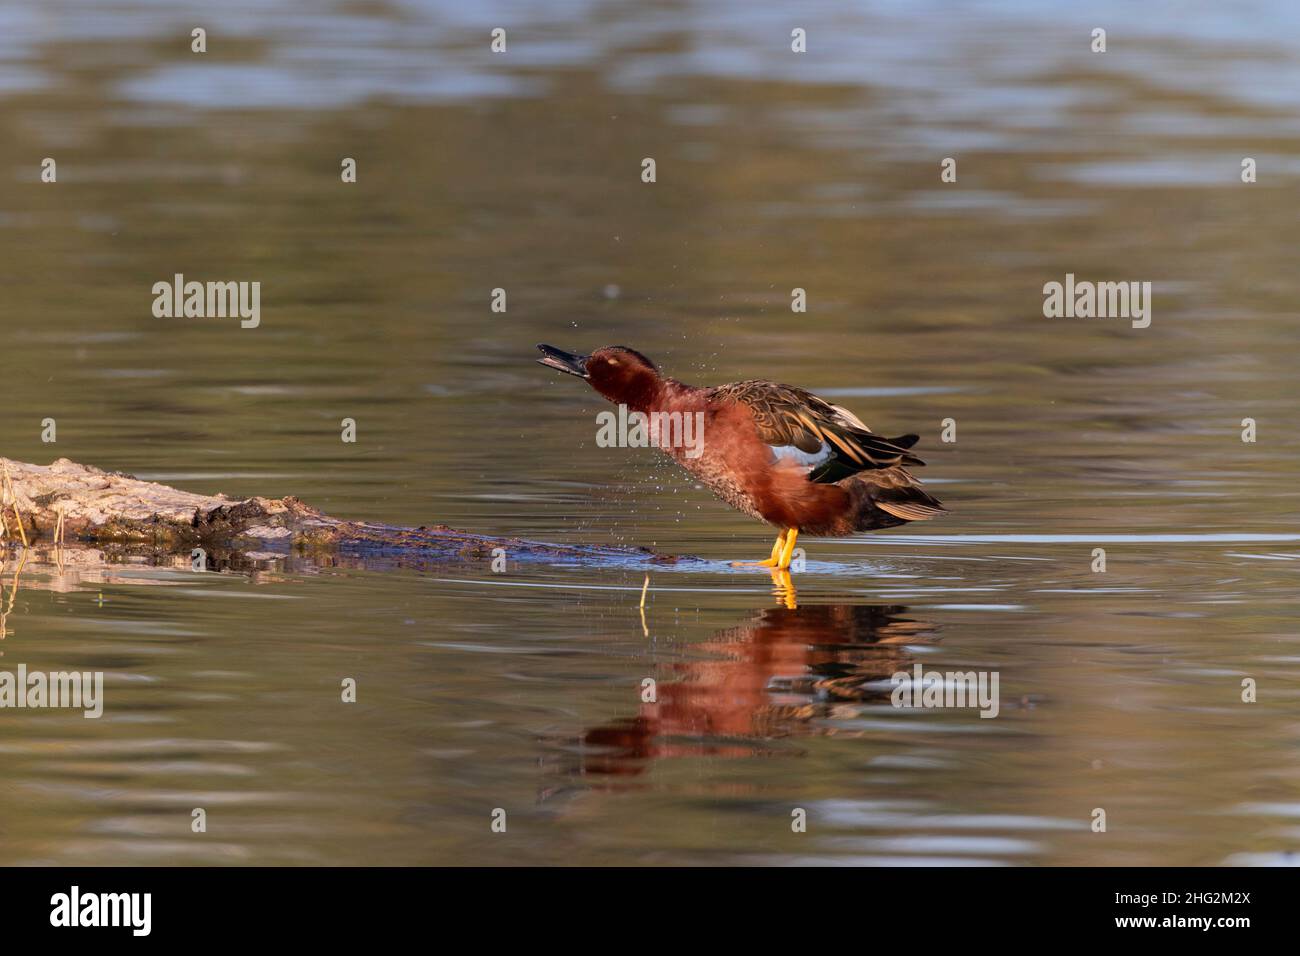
pixel 564 361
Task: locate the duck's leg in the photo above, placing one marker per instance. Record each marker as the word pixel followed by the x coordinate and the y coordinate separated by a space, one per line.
pixel 787 549
pixel 770 562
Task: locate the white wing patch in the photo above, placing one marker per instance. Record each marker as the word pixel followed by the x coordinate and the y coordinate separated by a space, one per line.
pixel 809 460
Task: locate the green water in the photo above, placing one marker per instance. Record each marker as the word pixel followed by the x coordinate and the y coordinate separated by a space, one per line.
pixel 523 691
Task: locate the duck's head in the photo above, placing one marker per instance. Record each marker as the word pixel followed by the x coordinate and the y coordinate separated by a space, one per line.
pixel 619 373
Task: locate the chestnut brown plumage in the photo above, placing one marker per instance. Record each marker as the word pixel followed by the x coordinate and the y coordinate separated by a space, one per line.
pixel 775 452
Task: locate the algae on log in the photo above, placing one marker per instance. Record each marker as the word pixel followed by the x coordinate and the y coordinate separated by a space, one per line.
pixel 113 508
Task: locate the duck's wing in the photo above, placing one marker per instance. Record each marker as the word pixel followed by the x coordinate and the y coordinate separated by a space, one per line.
pixel 832 441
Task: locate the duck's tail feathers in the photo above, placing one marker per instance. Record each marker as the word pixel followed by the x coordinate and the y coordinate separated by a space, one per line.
pixel 910 502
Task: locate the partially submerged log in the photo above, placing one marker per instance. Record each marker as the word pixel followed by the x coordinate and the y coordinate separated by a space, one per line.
pixel 72 501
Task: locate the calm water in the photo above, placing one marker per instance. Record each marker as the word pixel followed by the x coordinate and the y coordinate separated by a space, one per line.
pixel 522 690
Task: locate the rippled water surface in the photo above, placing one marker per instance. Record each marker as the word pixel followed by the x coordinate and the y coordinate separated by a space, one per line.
pixel 523 691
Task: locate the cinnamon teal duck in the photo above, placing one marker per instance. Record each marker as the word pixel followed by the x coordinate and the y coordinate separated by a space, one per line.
pixel 775 452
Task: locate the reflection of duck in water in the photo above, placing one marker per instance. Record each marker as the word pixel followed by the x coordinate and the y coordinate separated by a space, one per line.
pixel 766 678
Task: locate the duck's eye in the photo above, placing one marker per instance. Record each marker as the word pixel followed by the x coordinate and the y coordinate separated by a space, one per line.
pixel 612 361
